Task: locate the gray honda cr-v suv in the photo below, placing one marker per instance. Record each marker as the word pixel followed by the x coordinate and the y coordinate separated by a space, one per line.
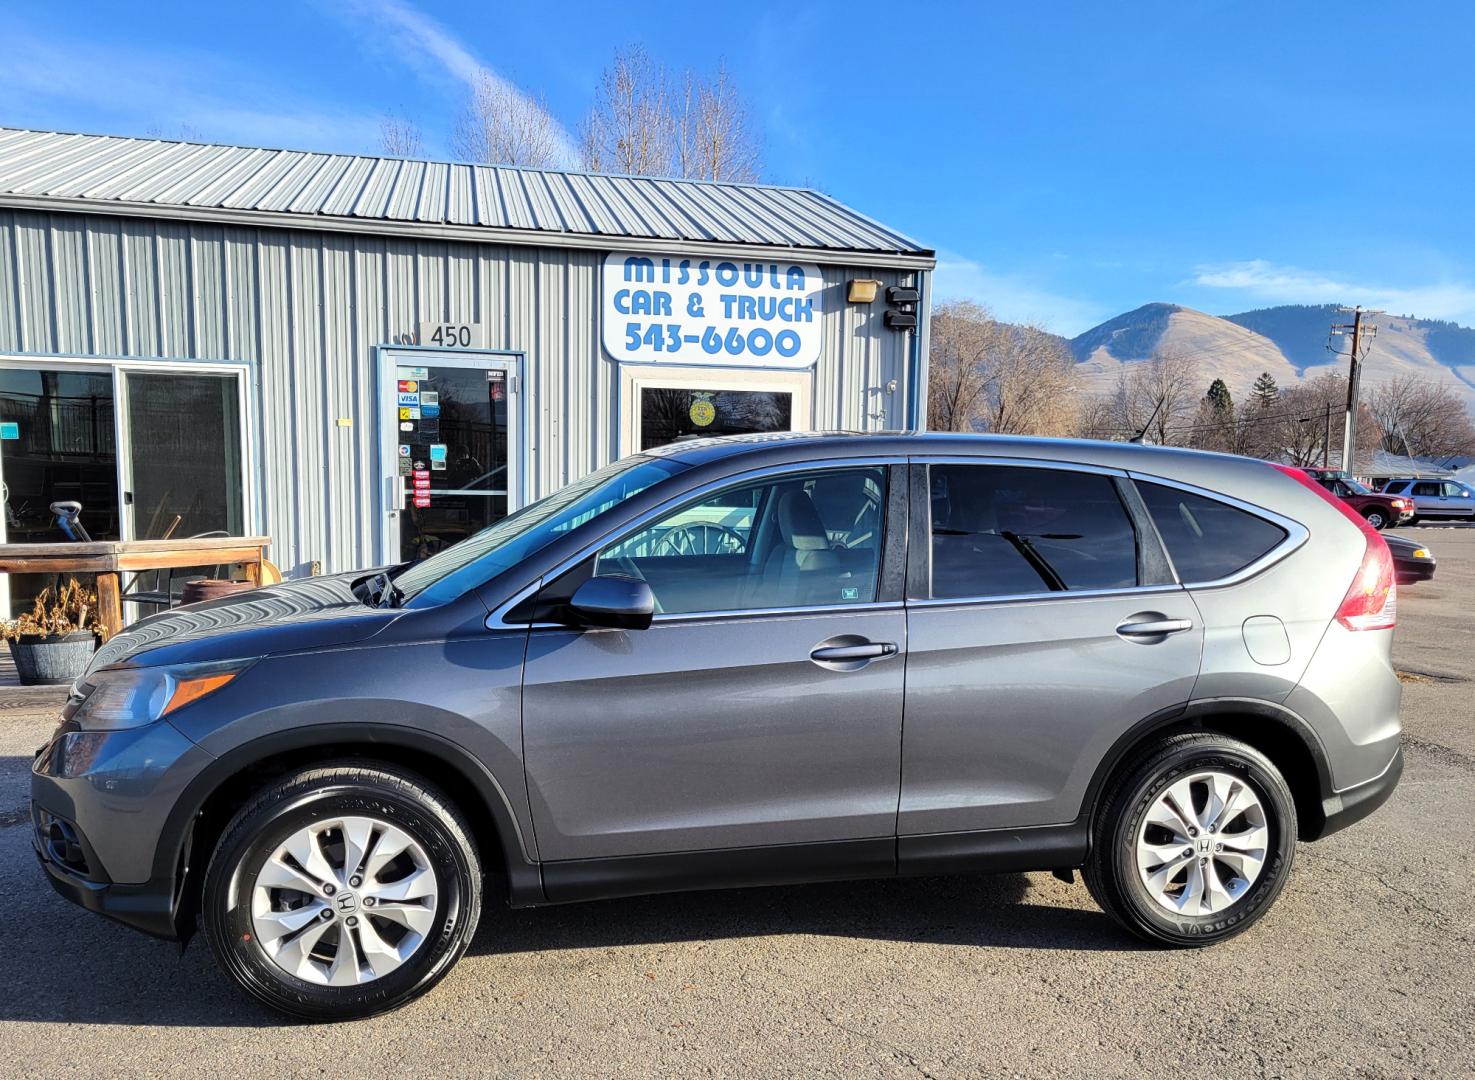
pixel 737 662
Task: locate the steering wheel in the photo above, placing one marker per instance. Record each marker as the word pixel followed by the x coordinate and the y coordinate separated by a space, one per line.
pixel 699 538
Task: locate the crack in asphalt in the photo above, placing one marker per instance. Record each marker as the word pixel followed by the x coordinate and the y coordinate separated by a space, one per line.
pixel 1446 755
pixel 10 818
pixel 1417 900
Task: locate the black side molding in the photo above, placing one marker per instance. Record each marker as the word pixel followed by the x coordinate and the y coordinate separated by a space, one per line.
pixel 686 871
pixel 995 851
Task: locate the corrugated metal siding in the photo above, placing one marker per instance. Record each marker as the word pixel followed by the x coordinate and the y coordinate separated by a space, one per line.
pixel 106 169
pixel 306 309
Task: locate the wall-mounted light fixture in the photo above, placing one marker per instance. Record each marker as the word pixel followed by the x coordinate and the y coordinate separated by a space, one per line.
pixel 862 290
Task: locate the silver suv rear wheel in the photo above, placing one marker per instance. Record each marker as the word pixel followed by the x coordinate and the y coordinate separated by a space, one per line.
pixel 1194 844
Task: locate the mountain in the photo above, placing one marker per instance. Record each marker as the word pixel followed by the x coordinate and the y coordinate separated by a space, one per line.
pixel 1289 342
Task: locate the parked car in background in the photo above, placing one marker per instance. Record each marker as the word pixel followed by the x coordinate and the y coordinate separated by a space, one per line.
pixel 1441 499
pixel 1412 562
pixel 1381 511
pixel 689 669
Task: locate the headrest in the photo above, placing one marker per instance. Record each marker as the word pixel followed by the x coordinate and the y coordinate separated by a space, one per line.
pixel 799 523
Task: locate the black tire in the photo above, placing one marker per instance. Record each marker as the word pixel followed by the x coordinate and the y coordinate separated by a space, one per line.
pixel 1377 519
pixel 403 799
pixel 1111 871
pixel 1412 521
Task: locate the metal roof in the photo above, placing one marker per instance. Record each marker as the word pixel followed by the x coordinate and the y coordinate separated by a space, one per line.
pixel 302 189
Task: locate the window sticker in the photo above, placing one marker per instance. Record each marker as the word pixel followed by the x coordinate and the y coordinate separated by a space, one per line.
pixel 437 451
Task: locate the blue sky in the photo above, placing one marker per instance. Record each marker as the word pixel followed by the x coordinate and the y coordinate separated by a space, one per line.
pixel 1069 161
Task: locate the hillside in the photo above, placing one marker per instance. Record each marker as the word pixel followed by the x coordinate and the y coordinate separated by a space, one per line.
pixel 1289 342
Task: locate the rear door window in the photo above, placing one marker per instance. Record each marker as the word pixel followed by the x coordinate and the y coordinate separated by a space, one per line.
pixel 1427 489
pixel 1207 539
pixel 1002 530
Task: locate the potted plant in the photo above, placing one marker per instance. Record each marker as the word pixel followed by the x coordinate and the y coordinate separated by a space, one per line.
pixel 54 641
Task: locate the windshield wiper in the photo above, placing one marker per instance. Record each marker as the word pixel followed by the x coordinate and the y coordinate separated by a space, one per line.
pixel 383 592
pixel 1025 547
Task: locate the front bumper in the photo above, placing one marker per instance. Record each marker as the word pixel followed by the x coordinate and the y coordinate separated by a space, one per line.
pixel 1344 808
pixel 1409 571
pixel 99 803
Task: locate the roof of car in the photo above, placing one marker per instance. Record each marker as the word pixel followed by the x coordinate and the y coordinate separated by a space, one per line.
pixel 801 445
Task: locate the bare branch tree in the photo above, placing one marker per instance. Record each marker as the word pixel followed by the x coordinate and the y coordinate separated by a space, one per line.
pixel 504 126
pixel 399 137
pixel 1422 418
pixel 713 137
pixel 630 128
pixel 991 376
pixel 1156 398
pixel 961 336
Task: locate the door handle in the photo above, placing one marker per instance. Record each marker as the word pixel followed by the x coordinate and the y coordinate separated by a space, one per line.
pixel 871 650
pixel 1154 627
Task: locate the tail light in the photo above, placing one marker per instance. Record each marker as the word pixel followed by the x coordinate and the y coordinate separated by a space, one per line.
pixel 1371 602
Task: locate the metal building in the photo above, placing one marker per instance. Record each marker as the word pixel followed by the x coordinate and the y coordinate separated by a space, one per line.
pixel 367 358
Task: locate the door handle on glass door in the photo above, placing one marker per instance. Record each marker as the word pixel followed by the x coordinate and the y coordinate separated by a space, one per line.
pixel 870 650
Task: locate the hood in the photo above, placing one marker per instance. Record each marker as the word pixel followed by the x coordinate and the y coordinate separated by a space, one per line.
pixel 290 617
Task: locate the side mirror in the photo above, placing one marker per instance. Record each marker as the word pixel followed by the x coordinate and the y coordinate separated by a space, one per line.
pixel 616 602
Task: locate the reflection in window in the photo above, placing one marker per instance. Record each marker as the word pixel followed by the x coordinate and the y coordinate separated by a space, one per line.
pixel 795 541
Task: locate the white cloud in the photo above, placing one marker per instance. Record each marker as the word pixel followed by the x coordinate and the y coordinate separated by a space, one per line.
pixel 420 42
pixel 1013 297
pixel 1269 281
pixel 49 83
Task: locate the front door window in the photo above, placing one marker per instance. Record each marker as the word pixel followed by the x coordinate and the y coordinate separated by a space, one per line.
pixel 184 471
pixel 788 542
pixel 675 414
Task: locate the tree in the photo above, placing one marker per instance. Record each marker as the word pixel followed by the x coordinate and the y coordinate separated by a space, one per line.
pixel 503 126
pixel 1155 398
pixel 630 128
pixel 985 375
pixel 1215 427
pixel 961 334
pixel 641 126
pixel 1265 393
pixel 399 137
pixel 713 137
pixel 1421 418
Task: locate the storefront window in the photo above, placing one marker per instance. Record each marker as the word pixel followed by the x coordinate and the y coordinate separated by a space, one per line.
pixel 671 414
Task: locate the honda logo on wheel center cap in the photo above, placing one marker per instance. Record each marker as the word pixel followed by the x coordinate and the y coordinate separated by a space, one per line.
pixel 346 902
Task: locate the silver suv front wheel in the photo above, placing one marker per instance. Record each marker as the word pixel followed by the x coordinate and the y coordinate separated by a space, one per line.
pixel 342 891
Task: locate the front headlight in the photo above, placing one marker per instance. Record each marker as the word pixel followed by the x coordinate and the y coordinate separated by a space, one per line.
pixel 118 698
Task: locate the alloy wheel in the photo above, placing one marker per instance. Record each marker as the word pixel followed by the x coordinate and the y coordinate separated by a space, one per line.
pixel 1203 843
pixel 344 901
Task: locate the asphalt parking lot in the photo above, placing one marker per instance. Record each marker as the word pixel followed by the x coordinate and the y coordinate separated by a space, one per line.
pixel 1366 967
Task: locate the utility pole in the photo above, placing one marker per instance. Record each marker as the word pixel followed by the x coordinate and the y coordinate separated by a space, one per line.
pixel 1360 334
pixel 1326 438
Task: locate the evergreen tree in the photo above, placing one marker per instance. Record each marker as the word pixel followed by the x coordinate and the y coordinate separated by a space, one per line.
pixel 1265 393
pixel 1218 399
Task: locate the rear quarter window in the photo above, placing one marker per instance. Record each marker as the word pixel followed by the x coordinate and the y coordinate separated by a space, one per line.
pixel 1207 539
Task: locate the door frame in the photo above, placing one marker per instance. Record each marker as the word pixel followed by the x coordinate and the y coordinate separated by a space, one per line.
pixel 117 367
pixel 387 487
pixel 637 377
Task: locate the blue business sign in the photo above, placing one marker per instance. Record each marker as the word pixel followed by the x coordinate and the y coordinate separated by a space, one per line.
pixel 725 312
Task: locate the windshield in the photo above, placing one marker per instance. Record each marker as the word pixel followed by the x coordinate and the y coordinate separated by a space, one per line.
pixel 483 555
pixel 1358 488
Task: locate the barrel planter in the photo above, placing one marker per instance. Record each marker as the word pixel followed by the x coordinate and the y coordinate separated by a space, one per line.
pixel 202 589
pixel 52 659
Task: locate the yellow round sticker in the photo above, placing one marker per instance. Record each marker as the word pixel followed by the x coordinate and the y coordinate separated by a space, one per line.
pixel 703 412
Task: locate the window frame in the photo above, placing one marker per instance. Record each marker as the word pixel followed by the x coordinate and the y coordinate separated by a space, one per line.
pixel 574 570
pixel 1296 533
pixel 1152 557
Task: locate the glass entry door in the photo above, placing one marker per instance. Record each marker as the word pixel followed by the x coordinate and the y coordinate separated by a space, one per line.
pixel 448 447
